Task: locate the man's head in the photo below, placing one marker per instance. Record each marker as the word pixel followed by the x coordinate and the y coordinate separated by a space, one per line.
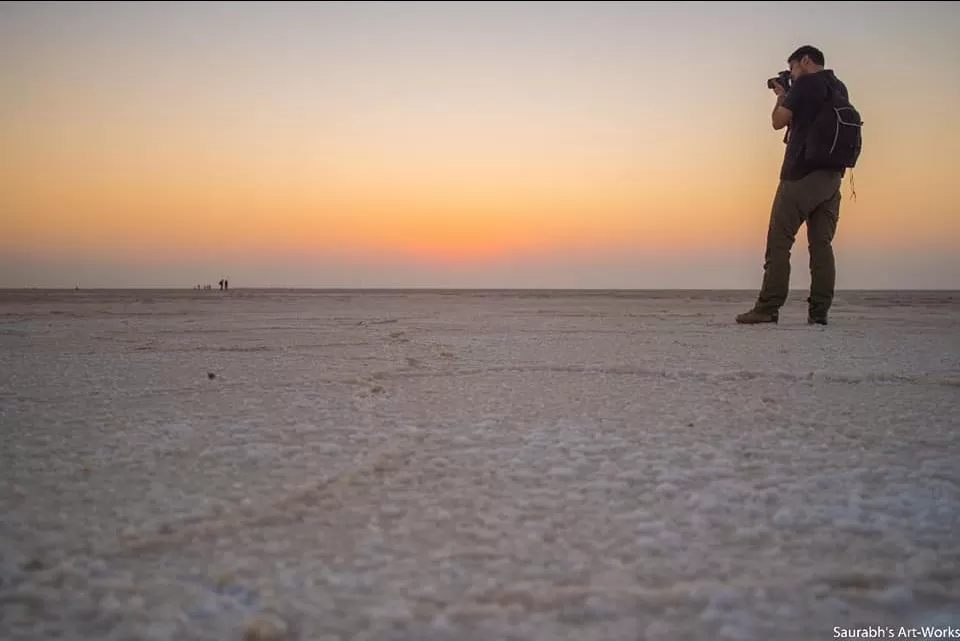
pixel 806 59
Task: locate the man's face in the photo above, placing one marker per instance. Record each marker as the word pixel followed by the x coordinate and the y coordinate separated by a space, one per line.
pixel 799 67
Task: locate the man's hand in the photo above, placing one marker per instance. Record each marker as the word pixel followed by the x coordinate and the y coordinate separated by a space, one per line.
pixel 778 89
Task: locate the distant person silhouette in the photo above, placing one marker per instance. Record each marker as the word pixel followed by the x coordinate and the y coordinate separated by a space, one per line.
pixel 822 141
pixel 221 284
pixel 226 284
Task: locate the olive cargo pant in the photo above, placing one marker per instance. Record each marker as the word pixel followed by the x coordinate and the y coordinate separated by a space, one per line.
pixel 814 200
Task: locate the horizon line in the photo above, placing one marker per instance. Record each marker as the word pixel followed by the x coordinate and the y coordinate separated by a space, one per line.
pixel 448 289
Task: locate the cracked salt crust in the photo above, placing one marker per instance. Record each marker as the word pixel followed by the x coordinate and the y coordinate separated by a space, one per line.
pixel 434 467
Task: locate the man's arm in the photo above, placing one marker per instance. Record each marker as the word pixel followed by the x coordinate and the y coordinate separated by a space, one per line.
pixel 781 115
pixel 789 102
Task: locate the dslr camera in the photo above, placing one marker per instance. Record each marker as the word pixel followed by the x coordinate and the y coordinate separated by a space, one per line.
pixel 783 78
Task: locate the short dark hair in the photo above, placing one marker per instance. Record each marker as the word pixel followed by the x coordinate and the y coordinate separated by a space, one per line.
pixel 807 50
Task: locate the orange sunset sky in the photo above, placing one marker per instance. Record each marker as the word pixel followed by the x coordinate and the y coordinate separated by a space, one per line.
pixel 458 144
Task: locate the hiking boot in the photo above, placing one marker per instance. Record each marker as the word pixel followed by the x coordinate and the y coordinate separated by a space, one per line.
pixel 755 316
pixel 815 315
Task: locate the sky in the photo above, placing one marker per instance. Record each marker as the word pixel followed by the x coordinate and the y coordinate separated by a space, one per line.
pixel 488 144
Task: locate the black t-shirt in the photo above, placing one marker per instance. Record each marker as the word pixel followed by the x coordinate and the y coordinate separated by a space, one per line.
pixel 804 99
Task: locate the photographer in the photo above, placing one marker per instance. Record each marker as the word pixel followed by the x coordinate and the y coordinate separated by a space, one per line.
pixel 816 111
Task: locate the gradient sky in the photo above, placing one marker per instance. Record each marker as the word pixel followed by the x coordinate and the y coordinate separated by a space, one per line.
pixel 459 144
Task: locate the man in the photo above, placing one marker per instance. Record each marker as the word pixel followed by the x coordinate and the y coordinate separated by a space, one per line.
pixel 807 193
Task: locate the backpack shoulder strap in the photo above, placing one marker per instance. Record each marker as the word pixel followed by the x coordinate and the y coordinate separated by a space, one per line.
pixel 834 93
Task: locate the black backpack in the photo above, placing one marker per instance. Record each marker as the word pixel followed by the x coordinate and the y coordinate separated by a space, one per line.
pixel 834 139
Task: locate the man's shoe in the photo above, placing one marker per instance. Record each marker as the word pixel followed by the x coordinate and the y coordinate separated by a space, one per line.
pixel 755 316
pixel 816 315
